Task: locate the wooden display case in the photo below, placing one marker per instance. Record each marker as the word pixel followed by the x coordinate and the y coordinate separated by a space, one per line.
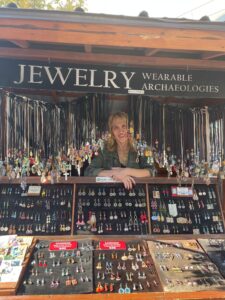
pixel 214 294
pixel 96 35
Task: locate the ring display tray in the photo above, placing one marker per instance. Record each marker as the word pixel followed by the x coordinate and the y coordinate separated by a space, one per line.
pixel 184 267
pixel 215 248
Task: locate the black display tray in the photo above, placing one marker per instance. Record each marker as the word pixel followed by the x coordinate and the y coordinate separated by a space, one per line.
pixel 124 271
pixel 196 213
pixel 59 271
pixel 111 210
pixel 49 213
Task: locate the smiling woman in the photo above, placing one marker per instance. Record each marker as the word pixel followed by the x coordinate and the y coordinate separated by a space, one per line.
pixel 119 158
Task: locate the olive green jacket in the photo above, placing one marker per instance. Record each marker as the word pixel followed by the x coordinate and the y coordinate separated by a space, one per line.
pixel 106 160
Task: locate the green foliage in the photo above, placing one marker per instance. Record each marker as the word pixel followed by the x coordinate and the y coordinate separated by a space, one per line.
pixel 68 5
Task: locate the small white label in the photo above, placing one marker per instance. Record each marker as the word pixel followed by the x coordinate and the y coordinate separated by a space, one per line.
pixel 173 210
pixel 34 190
pixel 182 191
pixel 139 92
pixel 196 231
pixel 105 179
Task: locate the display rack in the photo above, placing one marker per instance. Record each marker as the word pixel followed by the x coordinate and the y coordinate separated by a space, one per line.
pixel 111 209
pixel 81 206
pixel 183 209
pixel 49 212
pixel 77 191
pixel 55 267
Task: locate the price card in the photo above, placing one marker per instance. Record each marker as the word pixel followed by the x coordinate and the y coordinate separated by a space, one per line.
pixel 181 191
pixel 138 92
pixel 67 245
pixel 112 245
pixel 105 179
pixel 34 190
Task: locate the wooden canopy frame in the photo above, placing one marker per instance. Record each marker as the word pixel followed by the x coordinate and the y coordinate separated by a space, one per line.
pixel 101 39
pixel 73 37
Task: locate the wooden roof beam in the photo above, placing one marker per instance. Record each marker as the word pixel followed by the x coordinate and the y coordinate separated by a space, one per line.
pixel 95 58
pixel 112 35
pixel 151 52
pixel 54 96
pixel 88 48
pixel 21 44
pixel 212 55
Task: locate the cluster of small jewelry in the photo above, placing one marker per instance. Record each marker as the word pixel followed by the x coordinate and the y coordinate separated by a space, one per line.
pixel 195 214
pixel 20 163
pixel 125 271
pixel 59 271
pixel 183 266
pixel 49 213
pixel 111 210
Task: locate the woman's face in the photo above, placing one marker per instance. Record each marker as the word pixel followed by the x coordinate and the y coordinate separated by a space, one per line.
pixel 120 130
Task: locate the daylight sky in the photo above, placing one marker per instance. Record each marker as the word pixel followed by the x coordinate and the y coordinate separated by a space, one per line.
pixel 190 9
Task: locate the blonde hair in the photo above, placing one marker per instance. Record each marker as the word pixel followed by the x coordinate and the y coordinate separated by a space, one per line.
pixel 111 143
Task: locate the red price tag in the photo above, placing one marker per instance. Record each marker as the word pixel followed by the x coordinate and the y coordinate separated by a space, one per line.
pixel 112 245
pixel 67 245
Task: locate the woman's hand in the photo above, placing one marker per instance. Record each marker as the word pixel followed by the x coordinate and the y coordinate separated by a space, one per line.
pixel 127 181
pixel 120 174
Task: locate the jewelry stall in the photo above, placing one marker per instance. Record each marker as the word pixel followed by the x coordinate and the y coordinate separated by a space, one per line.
pixel 63 234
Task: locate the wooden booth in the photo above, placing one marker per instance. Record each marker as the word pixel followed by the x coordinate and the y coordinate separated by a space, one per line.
pixel 63 55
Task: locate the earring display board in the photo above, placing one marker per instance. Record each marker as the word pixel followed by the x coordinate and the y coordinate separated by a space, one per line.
pixel 59 267
pixel 111 209
pixel 124 268
pixel 185 210
pixel 119 266
pixel 215 248
pixel 183 266
pixel 38 210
